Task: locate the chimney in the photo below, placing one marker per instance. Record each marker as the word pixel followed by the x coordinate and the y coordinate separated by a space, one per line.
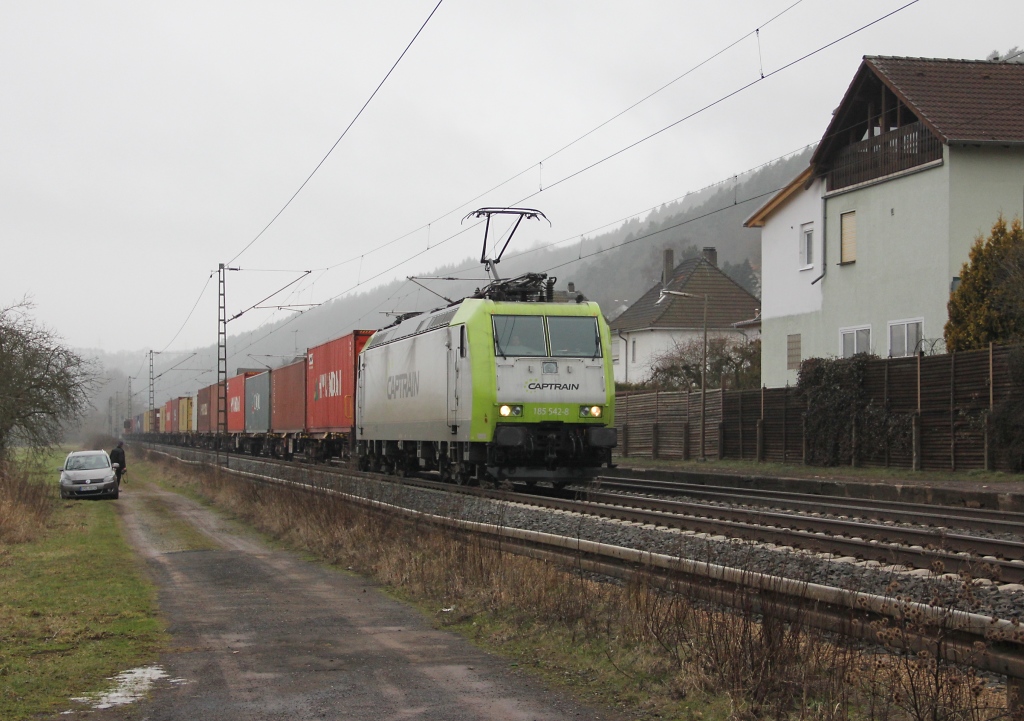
pixel 710 255
pixel 572 287
pixel 669 265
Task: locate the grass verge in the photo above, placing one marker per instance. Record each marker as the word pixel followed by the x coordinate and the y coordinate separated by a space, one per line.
pixel 74 607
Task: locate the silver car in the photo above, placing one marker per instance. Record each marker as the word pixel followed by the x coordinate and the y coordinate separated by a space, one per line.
pixel 88 474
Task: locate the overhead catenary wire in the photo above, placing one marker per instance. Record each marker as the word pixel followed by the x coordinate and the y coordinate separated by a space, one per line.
pixel 624 149
pixel 568 145
pixel 340 137
pixel 361 281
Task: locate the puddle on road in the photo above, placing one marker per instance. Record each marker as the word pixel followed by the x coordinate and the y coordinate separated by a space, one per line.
pixel 129 686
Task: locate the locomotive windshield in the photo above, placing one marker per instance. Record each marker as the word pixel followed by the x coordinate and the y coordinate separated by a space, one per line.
pixel 519 335
pixel 574 337
pixel 524 335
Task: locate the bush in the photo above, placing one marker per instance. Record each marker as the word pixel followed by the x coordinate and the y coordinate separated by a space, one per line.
pixel 25 504
pixel 837 402
pixel 1007 422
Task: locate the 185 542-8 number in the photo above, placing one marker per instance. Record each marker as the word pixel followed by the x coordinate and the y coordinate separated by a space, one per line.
pixel 550 411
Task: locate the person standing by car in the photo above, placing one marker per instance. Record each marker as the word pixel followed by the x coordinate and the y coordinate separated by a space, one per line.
pixel 117 456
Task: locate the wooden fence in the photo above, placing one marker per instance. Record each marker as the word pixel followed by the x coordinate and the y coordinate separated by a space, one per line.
pixel 947 397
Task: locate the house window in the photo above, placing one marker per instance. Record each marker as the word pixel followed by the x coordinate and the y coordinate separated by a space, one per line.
pixel 904 337
pixel 848 237
pixel 615 351
pixel 854 340
pixel 633 353
pixel 807 245
pixel 793 352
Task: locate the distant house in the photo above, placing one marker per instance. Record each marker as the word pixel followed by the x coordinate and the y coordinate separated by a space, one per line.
pixel 860 252
pixel 648 329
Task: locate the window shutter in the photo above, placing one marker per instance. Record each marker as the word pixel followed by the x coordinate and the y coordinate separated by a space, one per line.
pixel 848 237
pixel 793 352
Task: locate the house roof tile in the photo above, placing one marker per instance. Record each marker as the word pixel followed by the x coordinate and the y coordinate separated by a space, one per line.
pixel 728 302
pixel 962 101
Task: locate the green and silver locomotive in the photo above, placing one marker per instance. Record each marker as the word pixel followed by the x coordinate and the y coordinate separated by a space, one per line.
pixel 503 385
pixel 489 389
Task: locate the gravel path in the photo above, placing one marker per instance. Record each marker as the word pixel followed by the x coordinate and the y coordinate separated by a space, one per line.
pixel 261 634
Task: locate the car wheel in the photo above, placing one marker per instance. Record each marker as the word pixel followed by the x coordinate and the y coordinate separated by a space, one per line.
pixel 116 493
pixel 63 495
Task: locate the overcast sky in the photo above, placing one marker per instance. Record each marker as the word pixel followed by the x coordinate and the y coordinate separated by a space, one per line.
pixel 141 144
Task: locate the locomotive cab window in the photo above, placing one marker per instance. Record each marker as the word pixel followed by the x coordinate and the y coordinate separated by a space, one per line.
pixel 519 335
pixel 574 337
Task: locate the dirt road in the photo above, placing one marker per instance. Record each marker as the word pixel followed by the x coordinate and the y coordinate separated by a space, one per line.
pixel 261 634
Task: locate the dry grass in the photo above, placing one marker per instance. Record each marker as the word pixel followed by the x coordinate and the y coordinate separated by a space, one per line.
pixel 26 502
pixel 656 652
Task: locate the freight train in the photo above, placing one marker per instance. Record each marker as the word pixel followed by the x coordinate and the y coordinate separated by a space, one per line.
pixel 487 388
pixel 506 384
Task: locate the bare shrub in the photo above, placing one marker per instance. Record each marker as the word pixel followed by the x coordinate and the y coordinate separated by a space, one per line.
pixel 25 504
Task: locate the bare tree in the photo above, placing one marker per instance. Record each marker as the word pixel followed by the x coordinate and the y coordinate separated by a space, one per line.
pixel 44 385
pixel 736 360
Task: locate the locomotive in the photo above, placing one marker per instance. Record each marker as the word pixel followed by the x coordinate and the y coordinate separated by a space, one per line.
pixel 489 389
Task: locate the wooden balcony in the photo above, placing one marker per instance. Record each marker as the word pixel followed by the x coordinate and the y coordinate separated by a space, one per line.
pixel 898 150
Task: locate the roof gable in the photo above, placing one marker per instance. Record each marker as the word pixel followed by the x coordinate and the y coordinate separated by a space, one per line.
pixel 728 302
pixel 957 101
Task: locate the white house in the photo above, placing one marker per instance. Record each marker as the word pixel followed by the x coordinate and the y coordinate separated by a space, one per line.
pixel 649 329
pixel 860 252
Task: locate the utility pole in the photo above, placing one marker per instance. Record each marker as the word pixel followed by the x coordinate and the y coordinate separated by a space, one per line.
pixel 222 360
pixel 152 397
pixel 131 398
pixel 703 361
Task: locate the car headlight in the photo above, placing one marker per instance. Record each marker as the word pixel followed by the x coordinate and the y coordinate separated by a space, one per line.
pixel 506 411
pixel 591 411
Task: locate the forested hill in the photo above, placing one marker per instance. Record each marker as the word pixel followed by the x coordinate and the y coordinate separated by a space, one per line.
pixel 613 268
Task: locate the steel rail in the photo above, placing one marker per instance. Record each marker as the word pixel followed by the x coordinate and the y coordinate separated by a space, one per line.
pixel 952 543
pixel 981 519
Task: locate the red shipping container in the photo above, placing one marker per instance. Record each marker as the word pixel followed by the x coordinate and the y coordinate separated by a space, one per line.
pixel 288 398
pixel 236 402
pixel 331 383
pixel 168 417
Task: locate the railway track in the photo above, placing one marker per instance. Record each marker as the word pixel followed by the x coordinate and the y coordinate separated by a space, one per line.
pixel 899 536
pixel 978 519
pixel 845 610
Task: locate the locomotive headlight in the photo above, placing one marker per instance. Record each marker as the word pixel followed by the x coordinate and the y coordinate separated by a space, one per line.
pixel 590 411
pixel 505 411
pixel 514 411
